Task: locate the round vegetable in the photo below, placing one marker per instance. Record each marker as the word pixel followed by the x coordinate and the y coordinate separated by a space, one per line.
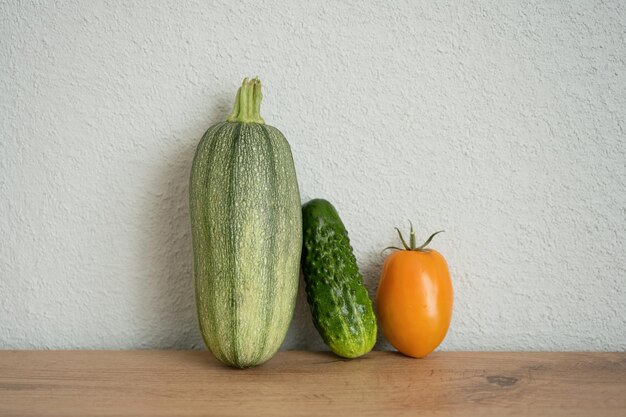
pixel 414 298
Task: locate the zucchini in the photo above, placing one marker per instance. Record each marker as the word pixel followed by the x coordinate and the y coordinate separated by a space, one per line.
pixel 340 305
pixel 246 232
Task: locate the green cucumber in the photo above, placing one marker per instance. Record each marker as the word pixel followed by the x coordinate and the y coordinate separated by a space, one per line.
pixel 340 305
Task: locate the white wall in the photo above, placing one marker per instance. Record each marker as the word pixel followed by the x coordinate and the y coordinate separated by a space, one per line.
pixel 503 124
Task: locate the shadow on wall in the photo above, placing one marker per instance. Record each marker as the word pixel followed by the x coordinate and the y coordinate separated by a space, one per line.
pixel 371 276
pixel 167 295
pixel 302 334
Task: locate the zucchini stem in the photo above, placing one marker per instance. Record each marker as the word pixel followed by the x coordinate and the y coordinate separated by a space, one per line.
pixel 247 105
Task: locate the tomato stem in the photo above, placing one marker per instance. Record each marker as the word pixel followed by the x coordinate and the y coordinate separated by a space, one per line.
pixel 402 239
pixel 382 252
pixel 411 246
pixel 423 247
pixel 412 238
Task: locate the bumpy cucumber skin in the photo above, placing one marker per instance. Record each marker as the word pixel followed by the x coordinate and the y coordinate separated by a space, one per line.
pixel 340 305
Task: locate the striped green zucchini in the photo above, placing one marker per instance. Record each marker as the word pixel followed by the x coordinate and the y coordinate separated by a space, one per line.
pixel 247 234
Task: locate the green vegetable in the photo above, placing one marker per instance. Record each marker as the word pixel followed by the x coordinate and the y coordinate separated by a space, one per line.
pixel 247 234
pixel 341 308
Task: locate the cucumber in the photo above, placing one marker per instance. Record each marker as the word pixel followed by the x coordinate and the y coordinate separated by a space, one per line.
pixel 340 305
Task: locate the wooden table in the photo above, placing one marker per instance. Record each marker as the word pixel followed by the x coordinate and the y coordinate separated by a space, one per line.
pixel 192 383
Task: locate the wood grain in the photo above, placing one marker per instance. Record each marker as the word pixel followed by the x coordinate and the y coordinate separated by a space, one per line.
pixel 192 383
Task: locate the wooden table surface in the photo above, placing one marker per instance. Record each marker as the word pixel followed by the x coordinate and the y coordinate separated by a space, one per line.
pixel 192 383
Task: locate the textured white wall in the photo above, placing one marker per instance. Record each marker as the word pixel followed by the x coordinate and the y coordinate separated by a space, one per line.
pixel 503 124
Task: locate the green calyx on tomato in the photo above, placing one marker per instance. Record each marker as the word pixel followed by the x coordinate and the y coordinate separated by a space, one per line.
pixel 411 245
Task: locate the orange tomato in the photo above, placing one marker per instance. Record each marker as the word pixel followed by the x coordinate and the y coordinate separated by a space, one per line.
pixel 414 299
